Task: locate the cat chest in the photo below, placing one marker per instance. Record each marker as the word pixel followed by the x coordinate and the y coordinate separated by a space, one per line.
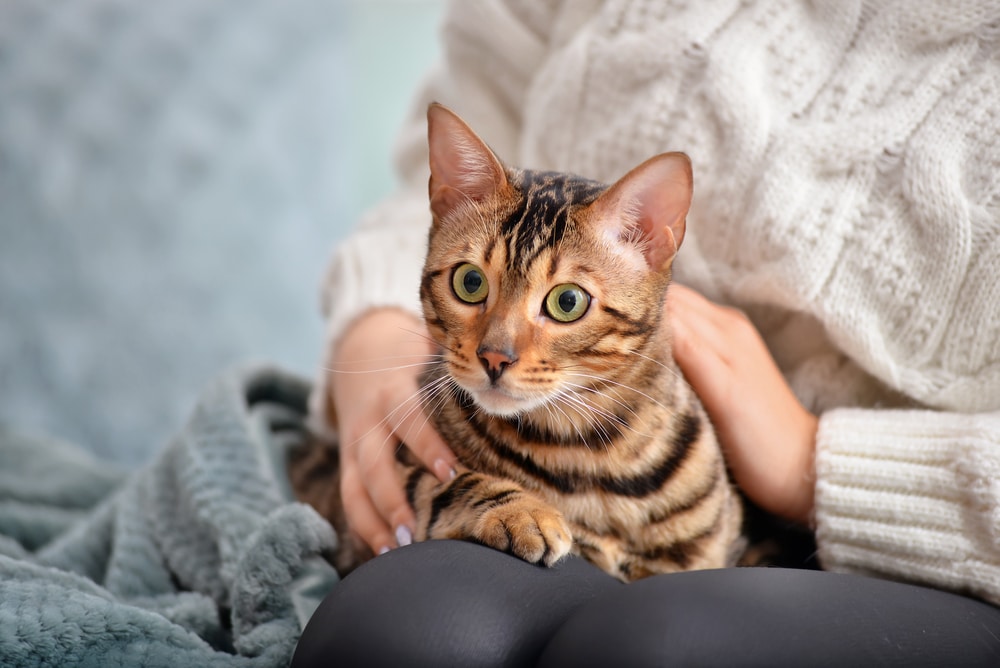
pixel 598 492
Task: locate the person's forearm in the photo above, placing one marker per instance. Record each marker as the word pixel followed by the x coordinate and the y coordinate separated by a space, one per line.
pixel 911 494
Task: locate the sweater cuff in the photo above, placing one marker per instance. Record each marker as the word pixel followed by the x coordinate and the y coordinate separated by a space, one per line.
pixel 906 495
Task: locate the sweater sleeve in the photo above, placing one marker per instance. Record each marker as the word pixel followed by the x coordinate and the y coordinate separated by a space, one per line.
pixel 911 495
pixel 491 51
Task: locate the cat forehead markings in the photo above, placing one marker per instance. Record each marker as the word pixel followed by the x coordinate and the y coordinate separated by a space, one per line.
pixel 540 218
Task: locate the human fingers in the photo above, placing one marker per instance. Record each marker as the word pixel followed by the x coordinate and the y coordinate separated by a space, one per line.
pixel 703 367
pixel 359 510
pixel 396 414
pixel 767 435
pixel 394 386
pixel 682 300
pixel 406 425
pixel 379 472
pixel 700 346
pixel 711 325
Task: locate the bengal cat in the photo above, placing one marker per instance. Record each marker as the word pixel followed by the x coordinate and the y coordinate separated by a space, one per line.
pixel 555 385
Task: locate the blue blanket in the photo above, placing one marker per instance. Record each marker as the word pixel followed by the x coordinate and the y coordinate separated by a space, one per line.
pixel 199 559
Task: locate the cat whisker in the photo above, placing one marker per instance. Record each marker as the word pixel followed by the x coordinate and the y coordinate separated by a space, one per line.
pixel 425 337
pixel 671 370
pixel 607 381
pixel 552 406
pixel 617 399
pixel 418 405
pixel 436 386
pixel 383 369
pixel 562 399
pixel 391 357
pixel 619 421
pixel 621 385
pixel 587 411
pixel 657 362
pixel 410 404
pixel 609 416
pixel 435 392
pixel 578 405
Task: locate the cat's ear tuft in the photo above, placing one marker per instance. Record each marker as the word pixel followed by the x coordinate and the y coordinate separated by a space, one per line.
pixel 463 167
pixel 649 205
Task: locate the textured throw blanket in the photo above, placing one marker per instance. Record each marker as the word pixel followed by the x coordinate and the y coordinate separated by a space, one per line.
pixel 199 559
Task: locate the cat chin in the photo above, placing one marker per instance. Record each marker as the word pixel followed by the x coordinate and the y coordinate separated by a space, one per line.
pixel 499 403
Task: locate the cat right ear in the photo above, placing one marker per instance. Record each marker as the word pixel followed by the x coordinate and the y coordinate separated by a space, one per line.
pixel 649 205
pixel 463 168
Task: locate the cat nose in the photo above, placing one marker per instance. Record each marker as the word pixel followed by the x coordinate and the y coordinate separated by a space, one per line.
pixel 495 361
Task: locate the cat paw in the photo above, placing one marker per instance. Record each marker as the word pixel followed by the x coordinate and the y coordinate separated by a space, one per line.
pixel 527 528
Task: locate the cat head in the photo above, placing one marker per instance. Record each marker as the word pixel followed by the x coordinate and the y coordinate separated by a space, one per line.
pixel 538 285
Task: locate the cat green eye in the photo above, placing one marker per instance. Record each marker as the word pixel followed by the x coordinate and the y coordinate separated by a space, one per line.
pixel 567 302
pixel 469 284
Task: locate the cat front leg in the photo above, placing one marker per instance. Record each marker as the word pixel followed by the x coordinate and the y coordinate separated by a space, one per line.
pixel 493 511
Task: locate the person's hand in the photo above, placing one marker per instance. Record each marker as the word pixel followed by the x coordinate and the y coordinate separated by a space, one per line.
pixel 375 395
pixel 768 437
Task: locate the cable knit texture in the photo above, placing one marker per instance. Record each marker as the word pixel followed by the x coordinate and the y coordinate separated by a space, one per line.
pixel 847 172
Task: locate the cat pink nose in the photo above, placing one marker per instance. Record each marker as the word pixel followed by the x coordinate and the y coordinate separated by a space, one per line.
pixel 495 362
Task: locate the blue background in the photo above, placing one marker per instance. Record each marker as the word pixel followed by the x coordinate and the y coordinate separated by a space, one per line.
pixel 173 177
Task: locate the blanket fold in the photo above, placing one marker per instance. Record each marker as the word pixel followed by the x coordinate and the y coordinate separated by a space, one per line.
pixel 200 558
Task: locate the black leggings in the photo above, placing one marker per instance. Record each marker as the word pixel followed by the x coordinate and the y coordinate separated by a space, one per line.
pixel 446 603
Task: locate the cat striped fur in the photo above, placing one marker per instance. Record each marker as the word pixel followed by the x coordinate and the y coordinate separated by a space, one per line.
pixel 555 386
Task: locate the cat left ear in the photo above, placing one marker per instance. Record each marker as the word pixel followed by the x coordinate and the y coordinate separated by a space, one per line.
pixel 650 204
pixel 463 167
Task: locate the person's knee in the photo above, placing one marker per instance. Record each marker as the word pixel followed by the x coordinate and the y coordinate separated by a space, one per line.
pixel 446 603
pixel 760 616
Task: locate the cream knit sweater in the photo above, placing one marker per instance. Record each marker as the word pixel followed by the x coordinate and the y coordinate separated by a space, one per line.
pixel 847 197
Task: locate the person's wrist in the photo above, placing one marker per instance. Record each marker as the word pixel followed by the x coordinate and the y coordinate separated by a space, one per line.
pixel 379 334
pixel 377 323
pixel 799 505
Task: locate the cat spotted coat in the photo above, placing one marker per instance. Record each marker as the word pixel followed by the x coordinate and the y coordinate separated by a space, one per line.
pixel 555 385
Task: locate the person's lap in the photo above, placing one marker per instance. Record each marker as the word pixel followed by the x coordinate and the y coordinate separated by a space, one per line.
pixel 444 603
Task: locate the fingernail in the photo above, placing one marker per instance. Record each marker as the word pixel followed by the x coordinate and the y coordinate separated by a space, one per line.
pixel 443 471
pixel 403 535
pixel 382 550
